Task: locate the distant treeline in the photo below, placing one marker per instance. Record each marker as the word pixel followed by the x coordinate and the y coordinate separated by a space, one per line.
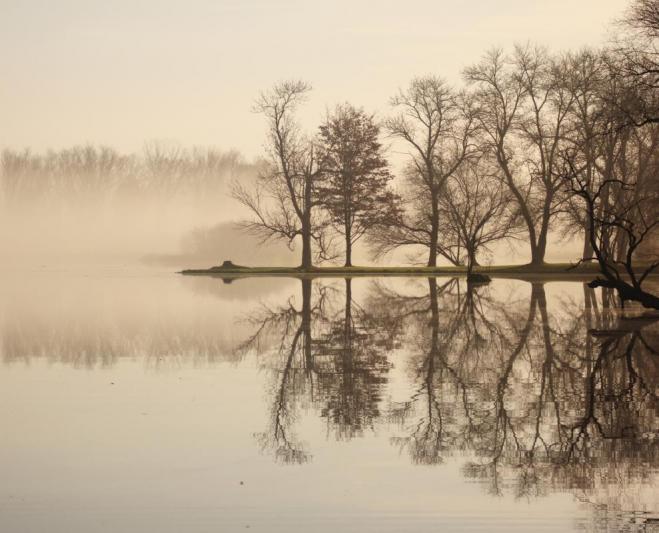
pixel 90 170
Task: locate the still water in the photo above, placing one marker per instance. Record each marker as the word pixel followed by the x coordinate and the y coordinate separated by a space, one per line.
pixel 140 401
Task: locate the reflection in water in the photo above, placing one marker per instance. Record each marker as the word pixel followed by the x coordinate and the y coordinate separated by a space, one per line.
pixel 535 395
pixel 289 330
pixel 335 361
pixel 537 401
pixel 90 345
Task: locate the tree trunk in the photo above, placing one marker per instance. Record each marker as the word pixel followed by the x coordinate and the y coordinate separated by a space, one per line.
pixel 432 254
pixel 538 254
pixel 544 233
pixel 434 237
pixel 605 245
pixel 587 248
pixel 306 250
pixel 471 261
pixel 539 248
pixel 307 262
pixel 348 247
pixel 621 246
pixel 348 307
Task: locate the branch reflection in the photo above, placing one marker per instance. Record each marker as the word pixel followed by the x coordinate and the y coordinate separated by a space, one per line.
pixel 537 397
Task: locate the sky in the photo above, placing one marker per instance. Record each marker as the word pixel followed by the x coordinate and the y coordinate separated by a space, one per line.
pixel 122 73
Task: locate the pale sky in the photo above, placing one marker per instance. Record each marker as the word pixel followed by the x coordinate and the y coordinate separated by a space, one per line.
pixel 123 72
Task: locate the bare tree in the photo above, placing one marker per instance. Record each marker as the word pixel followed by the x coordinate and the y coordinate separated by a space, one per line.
pixel 614 206
pixel 643 15
pixel 355 175
pixel 478 210
pixel 610 173
pixel 584 75
pixel 636 58
pixel 437 125
pixel 97 172
pixel 284 201
pixel 522 111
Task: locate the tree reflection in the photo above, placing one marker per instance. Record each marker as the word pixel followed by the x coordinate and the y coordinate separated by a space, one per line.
pixel 352 366
pixel 285 335
pixel 429 435
pixel 327 357
pixel 91 341
pixel 539 401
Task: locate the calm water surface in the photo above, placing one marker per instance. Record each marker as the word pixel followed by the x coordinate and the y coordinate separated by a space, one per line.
pixel 147 401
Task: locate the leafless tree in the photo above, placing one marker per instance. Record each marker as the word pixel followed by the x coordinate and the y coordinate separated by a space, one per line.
pixel 636 58
pixel 610 172
pixel 615 206
pixel 437 125
pixel 284 202
pixel 603 144
pixel 522 110
pixel 478 211
pixel 584 74
pixel 643 15
pixel 96 172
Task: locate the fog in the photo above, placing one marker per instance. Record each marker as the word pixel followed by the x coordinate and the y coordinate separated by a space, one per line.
pixel 89 205
pixel 167 206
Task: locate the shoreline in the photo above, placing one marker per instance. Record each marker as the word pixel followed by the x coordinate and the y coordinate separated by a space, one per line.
pixel 556 271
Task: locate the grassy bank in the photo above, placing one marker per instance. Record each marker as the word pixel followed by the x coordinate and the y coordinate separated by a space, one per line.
pixel 547 270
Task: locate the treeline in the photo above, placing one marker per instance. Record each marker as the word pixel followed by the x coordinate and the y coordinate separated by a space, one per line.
pixel 100 171
pixel 534 142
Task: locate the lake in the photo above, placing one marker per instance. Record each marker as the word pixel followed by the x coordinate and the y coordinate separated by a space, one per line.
pixel 141 400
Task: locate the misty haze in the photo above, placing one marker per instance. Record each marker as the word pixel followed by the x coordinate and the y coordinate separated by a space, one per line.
pixel 299 266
